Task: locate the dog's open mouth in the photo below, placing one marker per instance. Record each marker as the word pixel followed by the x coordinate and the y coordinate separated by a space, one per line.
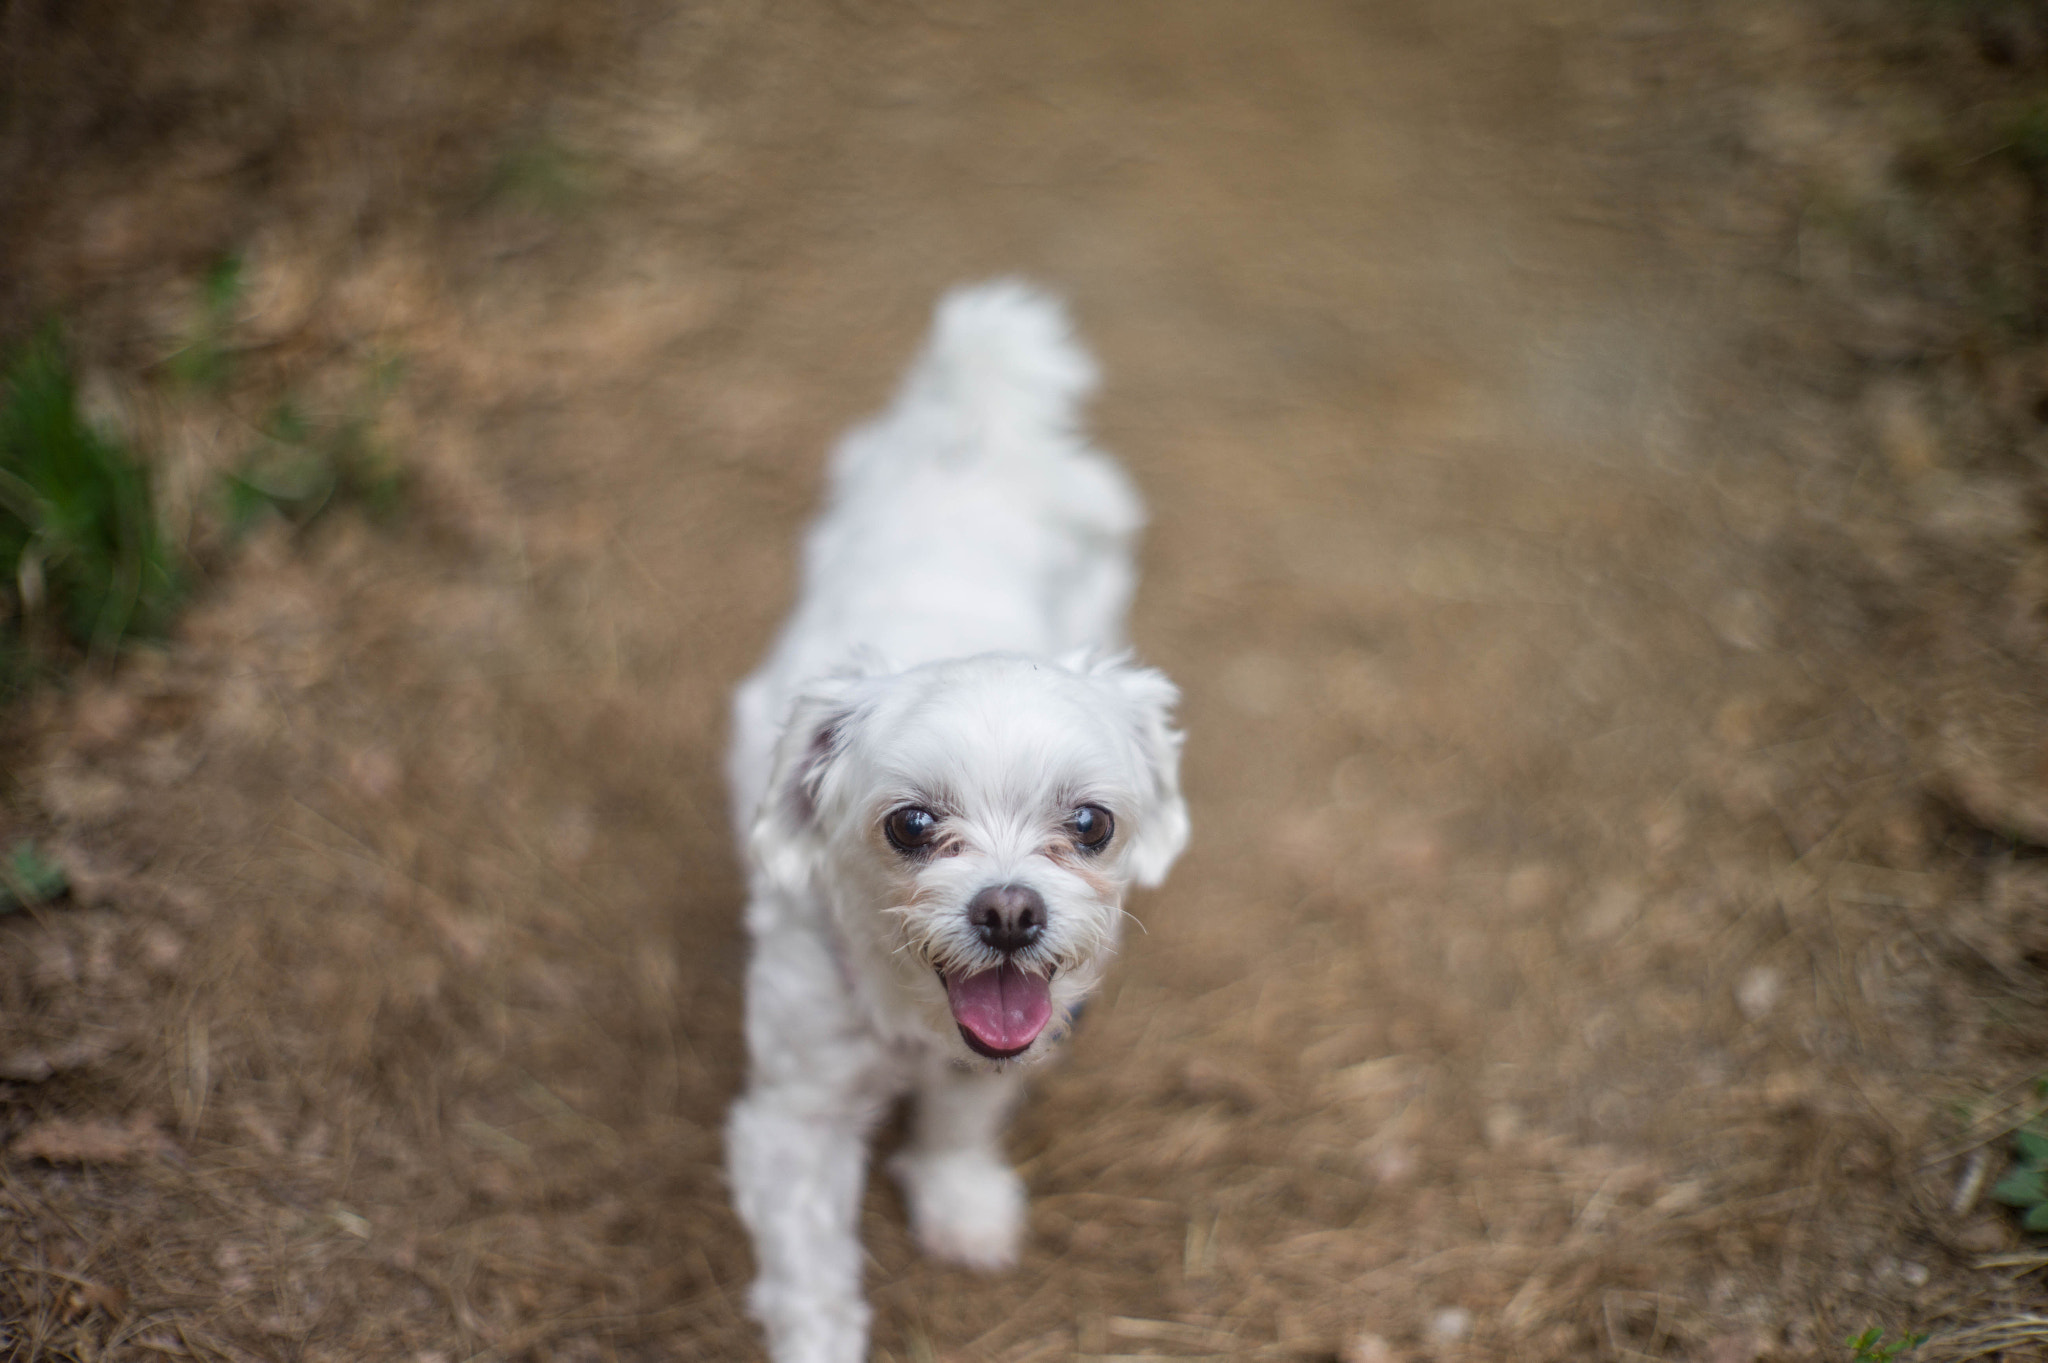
pixel 1000 1011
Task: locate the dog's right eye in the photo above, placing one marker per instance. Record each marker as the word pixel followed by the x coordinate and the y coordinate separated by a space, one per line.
pixel 910 828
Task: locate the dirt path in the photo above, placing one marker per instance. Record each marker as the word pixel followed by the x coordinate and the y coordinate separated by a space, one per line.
pixel 1507 1004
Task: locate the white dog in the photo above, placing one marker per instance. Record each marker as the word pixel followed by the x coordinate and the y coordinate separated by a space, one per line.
pixel 946 779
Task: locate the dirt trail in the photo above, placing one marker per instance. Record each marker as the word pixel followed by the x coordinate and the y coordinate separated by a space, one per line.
pixel 1495 1011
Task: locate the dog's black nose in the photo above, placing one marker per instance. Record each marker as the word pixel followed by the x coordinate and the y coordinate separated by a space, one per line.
pixel 1007 917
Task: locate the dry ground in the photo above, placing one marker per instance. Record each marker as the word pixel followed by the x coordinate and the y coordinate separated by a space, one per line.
pixel 1612 726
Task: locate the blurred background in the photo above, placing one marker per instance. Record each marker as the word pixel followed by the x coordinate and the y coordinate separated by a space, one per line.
pixel 1596 451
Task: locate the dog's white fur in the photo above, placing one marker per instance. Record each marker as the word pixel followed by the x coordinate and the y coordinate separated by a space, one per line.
pixel 954 647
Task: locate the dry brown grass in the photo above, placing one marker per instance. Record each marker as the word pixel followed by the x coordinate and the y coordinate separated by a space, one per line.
pixel 1593 946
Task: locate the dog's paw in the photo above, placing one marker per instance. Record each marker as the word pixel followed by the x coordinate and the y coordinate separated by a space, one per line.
pixel 966 1207
pixel 804 1326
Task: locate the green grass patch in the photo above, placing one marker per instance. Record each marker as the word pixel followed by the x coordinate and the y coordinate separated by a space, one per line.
pixel 28 877
pixel 85 564
pixel 80 546
pixel 1872 1347
pixel 541 176
pixel 206 362
pixel 2025 1185
pixel 2026 137
pixel 302 465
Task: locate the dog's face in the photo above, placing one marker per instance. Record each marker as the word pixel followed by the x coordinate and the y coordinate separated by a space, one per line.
pixel 976 824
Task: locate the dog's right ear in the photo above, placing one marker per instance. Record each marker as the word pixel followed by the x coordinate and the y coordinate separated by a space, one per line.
pixel 787 832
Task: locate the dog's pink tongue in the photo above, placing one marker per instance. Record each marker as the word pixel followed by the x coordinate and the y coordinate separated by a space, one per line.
pixel 1004 1008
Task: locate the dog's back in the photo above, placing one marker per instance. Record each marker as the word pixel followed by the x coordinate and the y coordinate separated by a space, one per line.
pixel 971 516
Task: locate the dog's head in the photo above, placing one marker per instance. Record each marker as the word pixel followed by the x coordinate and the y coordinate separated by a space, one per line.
pixel 974 825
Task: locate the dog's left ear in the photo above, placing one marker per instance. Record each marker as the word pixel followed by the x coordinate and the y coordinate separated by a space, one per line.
pixel 1149 699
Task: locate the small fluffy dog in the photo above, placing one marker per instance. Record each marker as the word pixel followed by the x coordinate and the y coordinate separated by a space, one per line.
pixel 946 778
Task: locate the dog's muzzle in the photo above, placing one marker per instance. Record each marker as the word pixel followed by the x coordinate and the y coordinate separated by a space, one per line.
pixel 1001 1010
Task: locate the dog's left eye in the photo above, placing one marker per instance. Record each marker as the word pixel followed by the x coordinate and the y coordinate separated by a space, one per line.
pixel 1091 827
pixel 910 828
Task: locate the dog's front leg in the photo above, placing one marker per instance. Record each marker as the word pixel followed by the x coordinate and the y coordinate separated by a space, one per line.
pixel 966 1202
pixel 796 1149
pixel 797 1178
